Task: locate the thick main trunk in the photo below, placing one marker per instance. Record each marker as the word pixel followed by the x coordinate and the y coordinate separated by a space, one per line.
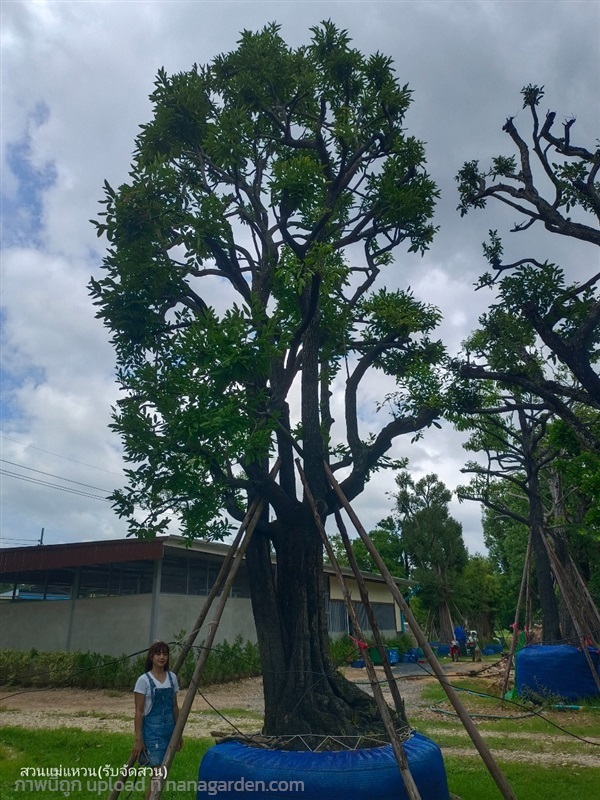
pixel 547 595
pixel 304 694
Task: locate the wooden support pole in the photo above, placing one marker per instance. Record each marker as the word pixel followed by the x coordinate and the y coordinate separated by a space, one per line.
pixel 364 596
pixel 557 569
pixel 482 748
pixel 412 790
pixel 513 641
pixel 158 782
pixel 223 572
pixel 123 777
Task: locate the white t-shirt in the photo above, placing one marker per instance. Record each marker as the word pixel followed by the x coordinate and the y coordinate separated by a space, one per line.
pixel 143 687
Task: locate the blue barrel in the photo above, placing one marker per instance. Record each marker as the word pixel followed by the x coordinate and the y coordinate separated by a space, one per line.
pixel 235 771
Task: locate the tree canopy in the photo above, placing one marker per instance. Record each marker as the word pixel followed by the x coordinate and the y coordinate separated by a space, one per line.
pixel 554 183
pixel 268 191
pixel 255 182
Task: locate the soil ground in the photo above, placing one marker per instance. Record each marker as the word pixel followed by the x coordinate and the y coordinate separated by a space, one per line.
pixel 239 706
pixel 112 710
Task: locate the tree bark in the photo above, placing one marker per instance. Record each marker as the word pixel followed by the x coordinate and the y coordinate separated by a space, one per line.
pixel 304 695
pixel 531 435
pixel 548 602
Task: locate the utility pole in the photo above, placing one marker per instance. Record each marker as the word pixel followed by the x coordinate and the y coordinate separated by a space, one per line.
pixel 41 541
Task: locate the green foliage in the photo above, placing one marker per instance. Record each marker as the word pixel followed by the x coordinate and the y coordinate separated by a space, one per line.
pixel 389 545
pixel 226 662
pixel 261 172
pixel 75 669
pixel 532 95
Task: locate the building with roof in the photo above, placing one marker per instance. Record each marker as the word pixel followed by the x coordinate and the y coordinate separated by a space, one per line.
pixel 119 596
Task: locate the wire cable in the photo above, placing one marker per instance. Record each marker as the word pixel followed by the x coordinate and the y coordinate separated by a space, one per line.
pixel 49 485
pixel 51 475
pixel 67 458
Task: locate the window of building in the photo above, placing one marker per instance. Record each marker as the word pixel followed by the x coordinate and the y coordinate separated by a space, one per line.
pixel 112 580
pixel 95 581
pixel 337 616
pixel 195 573
pixel 54 584
pixel 385 616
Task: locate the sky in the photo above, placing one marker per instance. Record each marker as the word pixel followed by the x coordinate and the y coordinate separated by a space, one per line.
pixel 75 83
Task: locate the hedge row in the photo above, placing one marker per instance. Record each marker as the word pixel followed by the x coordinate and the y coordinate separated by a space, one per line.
pixel 226 662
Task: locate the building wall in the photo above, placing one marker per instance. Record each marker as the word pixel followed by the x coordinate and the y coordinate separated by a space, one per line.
pixel 378 592
pixel 179 612
pixel 40 624
pixel 114 625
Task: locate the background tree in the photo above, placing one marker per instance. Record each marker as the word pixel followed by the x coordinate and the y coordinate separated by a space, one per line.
pixel 390 547
pixel 554 183
pixel 434 546
pixel 277 182
pixel 479 592
pixel 511 433
pixel 505 535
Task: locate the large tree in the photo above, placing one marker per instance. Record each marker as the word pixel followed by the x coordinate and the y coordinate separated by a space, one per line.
pixel 512 434
pixel 550 182
pixel 267 192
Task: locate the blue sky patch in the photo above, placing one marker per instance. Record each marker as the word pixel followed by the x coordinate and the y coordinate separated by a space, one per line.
pixel 22 208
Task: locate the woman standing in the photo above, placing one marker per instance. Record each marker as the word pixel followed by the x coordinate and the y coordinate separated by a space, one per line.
pixel 156 708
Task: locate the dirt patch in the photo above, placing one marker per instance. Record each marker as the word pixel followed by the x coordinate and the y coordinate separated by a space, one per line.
pixel 239 706
pixel 112 711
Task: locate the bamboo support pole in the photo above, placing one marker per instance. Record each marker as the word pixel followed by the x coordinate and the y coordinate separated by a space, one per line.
pixel 364 596
pixel 412 790
pixel 513 642
pixel 557 569
pixel 191 637
pixel 592 608
pixel 158 782
pixel 483 750
pixel 116 791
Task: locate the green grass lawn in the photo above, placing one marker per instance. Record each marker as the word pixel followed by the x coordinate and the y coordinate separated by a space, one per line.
pixel 70 748
pixel 519 742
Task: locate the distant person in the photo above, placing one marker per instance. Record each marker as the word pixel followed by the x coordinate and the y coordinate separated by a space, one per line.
pixel 461 638
pixel 156 708
pixel 454 650
pixel 473 648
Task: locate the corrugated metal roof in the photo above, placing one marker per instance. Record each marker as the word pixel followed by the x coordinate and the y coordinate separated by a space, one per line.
pixel 60 556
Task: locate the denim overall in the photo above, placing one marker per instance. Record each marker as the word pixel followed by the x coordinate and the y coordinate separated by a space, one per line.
pixel 158 724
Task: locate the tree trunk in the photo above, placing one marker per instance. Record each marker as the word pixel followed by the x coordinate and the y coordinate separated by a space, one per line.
pixel 530 437
pixel 303 693
pixel 547 595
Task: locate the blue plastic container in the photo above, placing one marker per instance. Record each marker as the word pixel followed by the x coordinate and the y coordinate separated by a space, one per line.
pixel 556 670
pixel 234 771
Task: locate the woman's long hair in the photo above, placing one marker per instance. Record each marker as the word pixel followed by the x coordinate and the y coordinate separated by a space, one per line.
pixel 157 647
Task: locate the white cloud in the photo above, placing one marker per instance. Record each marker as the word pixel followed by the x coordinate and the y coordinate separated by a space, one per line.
pixel 92 65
